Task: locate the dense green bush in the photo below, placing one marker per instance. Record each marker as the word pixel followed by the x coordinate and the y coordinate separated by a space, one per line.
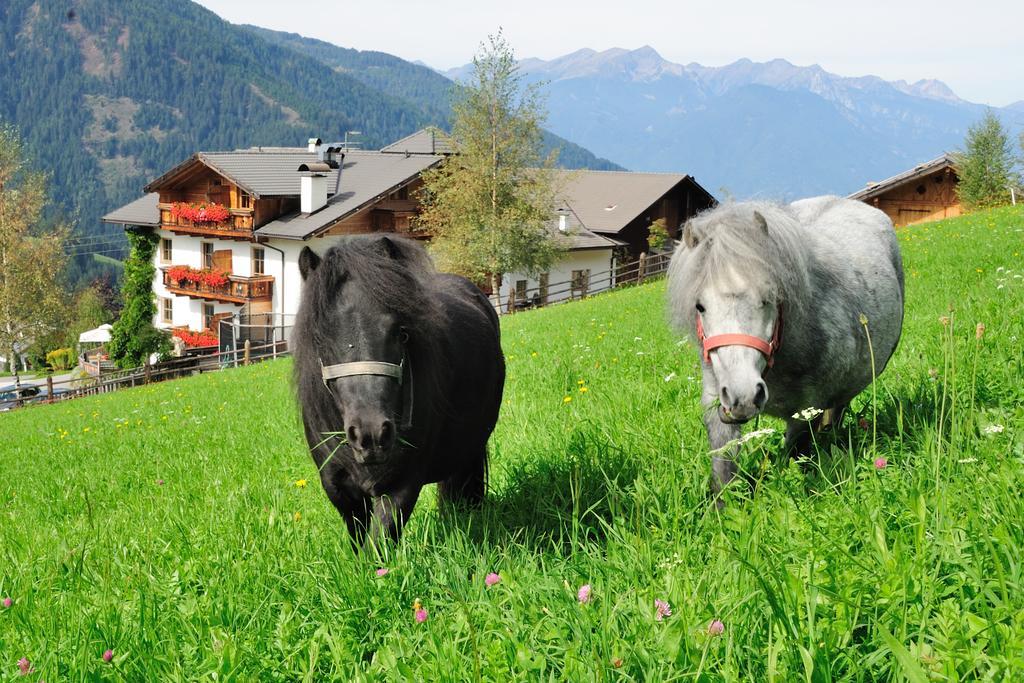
pixel 134 338
pixel 60 359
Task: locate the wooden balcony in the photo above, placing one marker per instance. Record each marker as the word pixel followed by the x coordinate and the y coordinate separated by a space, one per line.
pixel 238 290
pixel 237 227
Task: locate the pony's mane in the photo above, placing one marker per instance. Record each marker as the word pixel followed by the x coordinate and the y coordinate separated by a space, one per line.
pixel 730 237
pixel 395 274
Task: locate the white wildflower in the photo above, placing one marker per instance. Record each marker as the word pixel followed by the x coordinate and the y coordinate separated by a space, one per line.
pixel 964 461
pixel 757 434
pixel 749 436
pixel 670 376
pixel 636 339
pixel 993 429
pixel 808 414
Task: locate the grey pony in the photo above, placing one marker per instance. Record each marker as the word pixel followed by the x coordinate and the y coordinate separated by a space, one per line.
pixel 824 265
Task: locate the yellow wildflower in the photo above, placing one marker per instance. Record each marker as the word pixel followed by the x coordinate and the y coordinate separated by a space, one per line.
pixel 300 483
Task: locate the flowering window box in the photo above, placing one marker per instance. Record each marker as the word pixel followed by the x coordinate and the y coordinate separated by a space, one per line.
pixel 200 214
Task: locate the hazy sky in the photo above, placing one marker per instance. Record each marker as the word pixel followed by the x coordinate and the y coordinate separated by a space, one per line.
pixel 977 47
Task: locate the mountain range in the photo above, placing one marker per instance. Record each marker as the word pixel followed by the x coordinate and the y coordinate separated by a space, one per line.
pixel 109 94
pixel 750 129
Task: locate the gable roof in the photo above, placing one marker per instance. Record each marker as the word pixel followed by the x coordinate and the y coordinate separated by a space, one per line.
pixel 142 211
pixel 608 201
pixel 919 171
pixel 425 141
pixel 365 178
pixel 260 171
pixel 576 236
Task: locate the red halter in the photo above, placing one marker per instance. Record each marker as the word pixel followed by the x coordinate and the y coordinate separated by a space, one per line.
pixel 767 348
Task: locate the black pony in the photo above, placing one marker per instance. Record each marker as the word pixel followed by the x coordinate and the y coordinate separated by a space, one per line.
pixel 399 373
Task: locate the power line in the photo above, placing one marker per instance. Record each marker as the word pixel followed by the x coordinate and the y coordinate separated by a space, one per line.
pixel 103 250
pixel 90 245
pixel 98 238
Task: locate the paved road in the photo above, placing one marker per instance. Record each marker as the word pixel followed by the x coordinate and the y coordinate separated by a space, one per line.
pixel 38 380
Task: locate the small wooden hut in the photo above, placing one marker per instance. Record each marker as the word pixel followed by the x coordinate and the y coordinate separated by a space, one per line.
pixel 926 192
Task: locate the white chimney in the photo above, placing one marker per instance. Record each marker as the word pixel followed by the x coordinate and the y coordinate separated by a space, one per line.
pixel 313 186
pixel 313 145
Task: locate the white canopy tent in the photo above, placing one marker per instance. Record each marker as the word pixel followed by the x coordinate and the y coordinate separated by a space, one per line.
pixel 101 335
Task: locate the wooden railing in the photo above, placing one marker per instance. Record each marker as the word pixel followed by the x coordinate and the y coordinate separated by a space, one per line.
pixel 238 225
pixel 647 267
pixel 198 362
pixel 238 289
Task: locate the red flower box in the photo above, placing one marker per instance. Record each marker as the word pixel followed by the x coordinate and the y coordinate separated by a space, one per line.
pixel 200 213
pixel 196 338
pixel 209 278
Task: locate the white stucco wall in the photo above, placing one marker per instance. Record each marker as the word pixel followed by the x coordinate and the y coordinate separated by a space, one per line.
pixel 598 261
pixel 187 251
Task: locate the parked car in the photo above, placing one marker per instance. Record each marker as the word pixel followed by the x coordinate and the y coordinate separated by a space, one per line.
pixel 44 395
pixel 11 396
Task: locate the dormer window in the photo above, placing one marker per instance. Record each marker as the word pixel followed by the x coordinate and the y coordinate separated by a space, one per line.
pixel 244 200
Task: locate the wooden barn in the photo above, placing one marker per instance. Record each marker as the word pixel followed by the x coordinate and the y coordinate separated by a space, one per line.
pixel 925 193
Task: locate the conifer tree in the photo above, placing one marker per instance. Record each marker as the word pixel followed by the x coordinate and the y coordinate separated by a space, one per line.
pixel 985 165
pixel 133 337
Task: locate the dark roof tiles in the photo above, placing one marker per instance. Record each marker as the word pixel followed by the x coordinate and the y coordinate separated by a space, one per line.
pixel 142 211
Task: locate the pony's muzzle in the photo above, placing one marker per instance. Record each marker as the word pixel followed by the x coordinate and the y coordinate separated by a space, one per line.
pixel 372 436
pixel 739 406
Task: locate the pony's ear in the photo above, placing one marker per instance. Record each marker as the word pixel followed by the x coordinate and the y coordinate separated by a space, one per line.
pixel 308 262
pixel 689 238
pixel 761 221
pixel 389 248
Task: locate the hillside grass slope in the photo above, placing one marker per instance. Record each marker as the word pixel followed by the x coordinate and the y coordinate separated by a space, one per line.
pixel 182 526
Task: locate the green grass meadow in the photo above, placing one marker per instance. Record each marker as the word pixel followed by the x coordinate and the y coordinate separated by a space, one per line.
pixel 170 523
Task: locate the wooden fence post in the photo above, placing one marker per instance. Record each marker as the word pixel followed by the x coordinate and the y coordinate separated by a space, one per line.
pixel 246 356
pixel 146 371
pixel 49 388
pixel 641 266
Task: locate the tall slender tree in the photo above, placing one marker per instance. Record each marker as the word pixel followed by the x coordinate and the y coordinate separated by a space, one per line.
pixel 133 337
pixel 489 207
pixel 31 255
pixel 985 165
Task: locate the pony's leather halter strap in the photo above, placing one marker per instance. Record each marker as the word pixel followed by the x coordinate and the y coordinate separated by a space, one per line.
pixel 767 348
pixel 363 367
pixel 379 368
